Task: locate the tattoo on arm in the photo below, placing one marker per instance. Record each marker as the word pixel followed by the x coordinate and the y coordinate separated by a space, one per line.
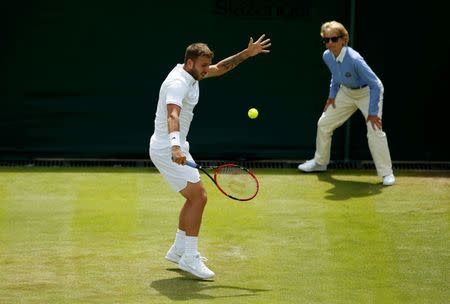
pixel 231 62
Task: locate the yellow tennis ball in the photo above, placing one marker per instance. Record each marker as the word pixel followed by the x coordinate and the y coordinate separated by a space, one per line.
pixel 252 113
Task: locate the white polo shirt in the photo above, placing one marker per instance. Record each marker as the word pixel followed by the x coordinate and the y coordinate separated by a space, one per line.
pixel 178 88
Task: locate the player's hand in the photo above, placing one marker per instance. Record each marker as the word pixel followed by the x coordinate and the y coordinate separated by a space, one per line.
pixel 178 155
pixel 259 46
pixel 375 121
pixel 329 102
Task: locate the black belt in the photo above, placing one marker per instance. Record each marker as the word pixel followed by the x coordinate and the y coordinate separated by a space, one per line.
pixel 357 88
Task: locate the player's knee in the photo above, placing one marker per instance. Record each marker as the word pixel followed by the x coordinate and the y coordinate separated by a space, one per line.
pixel 200 197
pixel 203 197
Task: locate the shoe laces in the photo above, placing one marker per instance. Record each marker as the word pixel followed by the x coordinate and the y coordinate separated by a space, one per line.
pixel 199 262
pixel 202 258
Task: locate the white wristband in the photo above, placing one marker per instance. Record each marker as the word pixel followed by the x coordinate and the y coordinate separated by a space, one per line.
pixel 174 138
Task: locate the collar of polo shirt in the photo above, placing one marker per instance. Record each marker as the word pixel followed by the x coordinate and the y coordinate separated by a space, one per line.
pixel 341 56
pixel 190 80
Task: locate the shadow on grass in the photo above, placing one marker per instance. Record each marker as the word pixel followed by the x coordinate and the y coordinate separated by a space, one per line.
pixel 345 189
pixel 187 287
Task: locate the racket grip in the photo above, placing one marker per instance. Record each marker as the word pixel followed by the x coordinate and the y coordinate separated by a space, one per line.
pixel 191 164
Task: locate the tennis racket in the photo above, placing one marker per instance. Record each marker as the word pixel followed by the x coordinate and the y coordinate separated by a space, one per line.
pixel 234 181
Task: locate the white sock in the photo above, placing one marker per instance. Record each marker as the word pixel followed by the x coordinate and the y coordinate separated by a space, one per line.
pixel 180 240
pixel 191 244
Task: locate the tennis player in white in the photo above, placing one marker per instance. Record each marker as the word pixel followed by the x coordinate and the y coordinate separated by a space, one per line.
pixel 169 148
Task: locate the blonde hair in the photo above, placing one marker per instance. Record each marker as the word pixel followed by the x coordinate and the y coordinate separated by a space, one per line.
pixel 335 27
pixel 196 50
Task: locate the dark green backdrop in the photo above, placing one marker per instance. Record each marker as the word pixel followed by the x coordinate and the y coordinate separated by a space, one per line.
pixel 81 79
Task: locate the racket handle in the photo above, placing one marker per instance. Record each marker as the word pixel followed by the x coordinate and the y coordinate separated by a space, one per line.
pixel 191 164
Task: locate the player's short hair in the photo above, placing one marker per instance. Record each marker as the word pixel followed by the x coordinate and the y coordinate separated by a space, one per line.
pixel 335 27
pixel 196 50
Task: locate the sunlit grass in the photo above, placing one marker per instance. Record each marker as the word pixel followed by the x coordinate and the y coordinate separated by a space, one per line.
pixel 77 235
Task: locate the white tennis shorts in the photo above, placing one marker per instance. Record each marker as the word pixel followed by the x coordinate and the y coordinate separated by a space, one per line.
pixel 176 175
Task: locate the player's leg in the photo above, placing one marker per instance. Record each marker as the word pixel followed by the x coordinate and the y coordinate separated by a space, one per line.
pixel 192 211
pixel 190 221
pixel 178 178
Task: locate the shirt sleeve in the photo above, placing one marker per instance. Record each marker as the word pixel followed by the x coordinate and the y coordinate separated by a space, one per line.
pixel 334 87
pixel 176 91
pixel 374 83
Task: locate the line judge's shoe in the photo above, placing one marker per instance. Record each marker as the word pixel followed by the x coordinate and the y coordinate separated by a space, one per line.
pixel 196 266
pixel 312 166
pixel 389 180
pixel 174 254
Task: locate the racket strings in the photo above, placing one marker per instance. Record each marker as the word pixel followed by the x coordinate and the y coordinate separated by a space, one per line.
pixel 237 182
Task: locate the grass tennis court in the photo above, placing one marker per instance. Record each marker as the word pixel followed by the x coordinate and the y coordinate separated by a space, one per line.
pixel 99 235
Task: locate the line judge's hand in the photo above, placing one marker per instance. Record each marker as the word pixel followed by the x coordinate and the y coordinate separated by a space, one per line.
pixel 259 46
pixel 330 101
pixel 375 121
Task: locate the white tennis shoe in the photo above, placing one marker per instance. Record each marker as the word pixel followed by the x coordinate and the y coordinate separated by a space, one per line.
pixel 196 266
pixel 389 180
pixel 174 254
pixel 312 166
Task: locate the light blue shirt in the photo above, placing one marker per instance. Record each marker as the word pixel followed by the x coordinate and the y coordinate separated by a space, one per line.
pixel 351 70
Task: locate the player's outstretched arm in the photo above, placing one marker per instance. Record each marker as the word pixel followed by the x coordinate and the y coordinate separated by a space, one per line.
pixel 254 48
